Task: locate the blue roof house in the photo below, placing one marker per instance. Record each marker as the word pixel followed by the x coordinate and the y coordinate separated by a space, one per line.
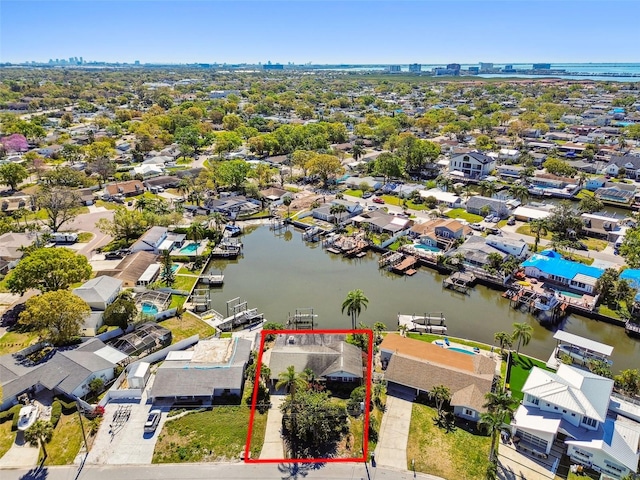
pixel 550 266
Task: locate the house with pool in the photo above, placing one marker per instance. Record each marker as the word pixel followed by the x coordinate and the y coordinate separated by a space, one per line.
pixel 413 367
pixel 551 267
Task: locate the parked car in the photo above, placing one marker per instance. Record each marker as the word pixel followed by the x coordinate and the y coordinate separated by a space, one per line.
pixel 367 195
pixel 495 219
pixel 494 231
pixel 377 200
pixel 152 421
pixel 488 218
pixel 580 246
pixel 113 255
pixel 477 226
pixel 511 221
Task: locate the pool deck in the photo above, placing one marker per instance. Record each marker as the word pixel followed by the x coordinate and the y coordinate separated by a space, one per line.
pixel 190 253
pixel 493 354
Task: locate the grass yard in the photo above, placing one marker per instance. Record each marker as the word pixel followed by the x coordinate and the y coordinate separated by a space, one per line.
pixel 464 215
pixel 7 437
pixel 520 369
pixel 353 193
pixel 526 230
pixel 218 434
pixel 607 311
pixel 187 327
pixel 12 342
pixel 66 441
pixel 107 205
pixel 454 455
pixel 595 243
pixel 584 194
pixel 576 257
pixel 185 282
pixel 177 301
pixel 85 237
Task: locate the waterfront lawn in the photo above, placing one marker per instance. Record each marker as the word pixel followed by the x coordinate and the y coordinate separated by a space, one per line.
pixel 7 437
pixel 217 434
pixel 464 215
pixel 457 454
pixel 187 326
pixel 185 282
pixel 66 441
pixel 14 341
pixel 520 369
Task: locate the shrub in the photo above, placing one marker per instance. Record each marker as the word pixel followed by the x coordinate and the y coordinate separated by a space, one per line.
pixel 56 413
pixel 68 405
pixel 10 414
pixel 16 416
pixel 103 329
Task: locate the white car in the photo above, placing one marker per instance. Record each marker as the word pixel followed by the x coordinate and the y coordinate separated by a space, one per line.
pixel 152 421
pixel 476 226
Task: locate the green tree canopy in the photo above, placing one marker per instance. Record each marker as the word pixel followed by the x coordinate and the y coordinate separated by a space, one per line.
pixel 58 316
pixel 325 166
pixel 630 248
pixel 49 269
pixel 121 312
pixel 126 224
pixel 232 173
pixel 11 174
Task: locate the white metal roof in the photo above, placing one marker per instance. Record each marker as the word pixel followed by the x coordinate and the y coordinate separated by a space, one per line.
pixel 531 212
pixel 534 419
pixel 149 274
pixel 582 342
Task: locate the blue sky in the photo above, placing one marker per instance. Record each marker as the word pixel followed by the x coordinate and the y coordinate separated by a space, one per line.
pixel 327 31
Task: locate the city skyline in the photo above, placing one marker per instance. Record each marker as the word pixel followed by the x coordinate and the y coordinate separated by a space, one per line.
pixel 331 32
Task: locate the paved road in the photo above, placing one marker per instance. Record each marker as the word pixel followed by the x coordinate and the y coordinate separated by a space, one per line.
pixel 207 471
pixel 87 223
pixel 391 450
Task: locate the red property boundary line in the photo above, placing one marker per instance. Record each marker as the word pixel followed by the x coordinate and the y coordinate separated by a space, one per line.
pixel 367 402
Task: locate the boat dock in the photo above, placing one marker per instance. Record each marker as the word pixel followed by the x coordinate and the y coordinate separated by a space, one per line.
pixel 427 323
pixel 632 328
pixel 459 281
pixel 405 266
pixel 390 258
pixel 212 280
pixel 312 234
pixel 302 319
pixel 548 307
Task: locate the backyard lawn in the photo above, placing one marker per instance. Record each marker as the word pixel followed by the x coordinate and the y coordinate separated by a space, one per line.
pixel 188 326
pixel 454 455
pixel 218 434
pixel 185 282
pixel 464 215
pixel 520 369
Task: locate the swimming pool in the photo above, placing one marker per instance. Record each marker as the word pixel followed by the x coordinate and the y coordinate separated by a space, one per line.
pixel 189 249
pixel 461 350
pixel 149 309
pixel 175 267
pixel 569 294
pixel 421 246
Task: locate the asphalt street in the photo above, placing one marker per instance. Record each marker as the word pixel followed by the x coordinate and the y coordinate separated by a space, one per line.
pixel 226 471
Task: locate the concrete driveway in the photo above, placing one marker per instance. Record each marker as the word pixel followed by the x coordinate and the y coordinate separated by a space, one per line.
pixel 128 445
pixel 87 223
pixel 391 450
pixel 272 447
pixel 21 454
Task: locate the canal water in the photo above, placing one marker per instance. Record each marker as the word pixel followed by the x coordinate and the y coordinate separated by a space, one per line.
pixel 279 272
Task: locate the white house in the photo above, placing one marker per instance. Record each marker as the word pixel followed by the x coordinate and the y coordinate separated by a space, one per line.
pixel 508 154
pixel 99 292
pixel 450 199
pixel 472 164
pixel 575 403
pixel 151 240
pixel 630 164
pixel 513 246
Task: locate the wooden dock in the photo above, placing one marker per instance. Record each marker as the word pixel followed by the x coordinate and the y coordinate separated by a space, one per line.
pixel 212 280
pixel 459 281
pixel 427 323
pixel 404 265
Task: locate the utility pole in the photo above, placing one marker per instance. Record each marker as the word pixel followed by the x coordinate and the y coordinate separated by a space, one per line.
pixel 84 435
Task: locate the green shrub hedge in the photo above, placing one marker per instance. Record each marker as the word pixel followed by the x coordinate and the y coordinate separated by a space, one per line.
pixel 10 414
pixel 56 413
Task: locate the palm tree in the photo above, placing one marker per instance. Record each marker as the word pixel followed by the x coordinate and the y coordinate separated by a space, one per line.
pixel 493 424
pixel 353 305
pixel 337 210
pixel 538 226
pixel 357 151
pixel 290 381
pixel 142 203
pixel 487 189
pixel 504 340
pixel 444 182
pixel 500 401
pixel 287 202
pixel 624 292
pixel 519 192
pixel 403 329
pixel 440 394
pixel 196 232
pixel 218 220
pixel 184 187
pixel 39 434
pixel 522 333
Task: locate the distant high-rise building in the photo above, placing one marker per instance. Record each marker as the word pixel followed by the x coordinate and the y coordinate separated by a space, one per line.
pixel 485 66
pixel 474 70
pixel 455 67
pixel 415 68
pixel 508 69
pixel 542 66
pixel 393 68
pixel 273 66
pixel 81 60
pixel 137 62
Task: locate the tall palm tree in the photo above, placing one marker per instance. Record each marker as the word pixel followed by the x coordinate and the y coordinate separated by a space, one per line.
pixel 218 220
pixel 500 401
pixel 196 232
pixel 487 189
pixel 538 227
pixel 440 394
pixel 337 210
pixel 286 200
pixel 522 334
pixel 493 424
pixel 519 192
pixel 353 305
pixel 291 381
pixel 39 434
pixel 504 340
pixel 142 203
pixel 444 182
pixel 357 151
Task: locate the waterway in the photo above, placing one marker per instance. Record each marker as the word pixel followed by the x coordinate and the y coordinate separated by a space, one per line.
pixel 279 272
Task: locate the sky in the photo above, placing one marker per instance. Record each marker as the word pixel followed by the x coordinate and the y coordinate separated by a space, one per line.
pixel 321 32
